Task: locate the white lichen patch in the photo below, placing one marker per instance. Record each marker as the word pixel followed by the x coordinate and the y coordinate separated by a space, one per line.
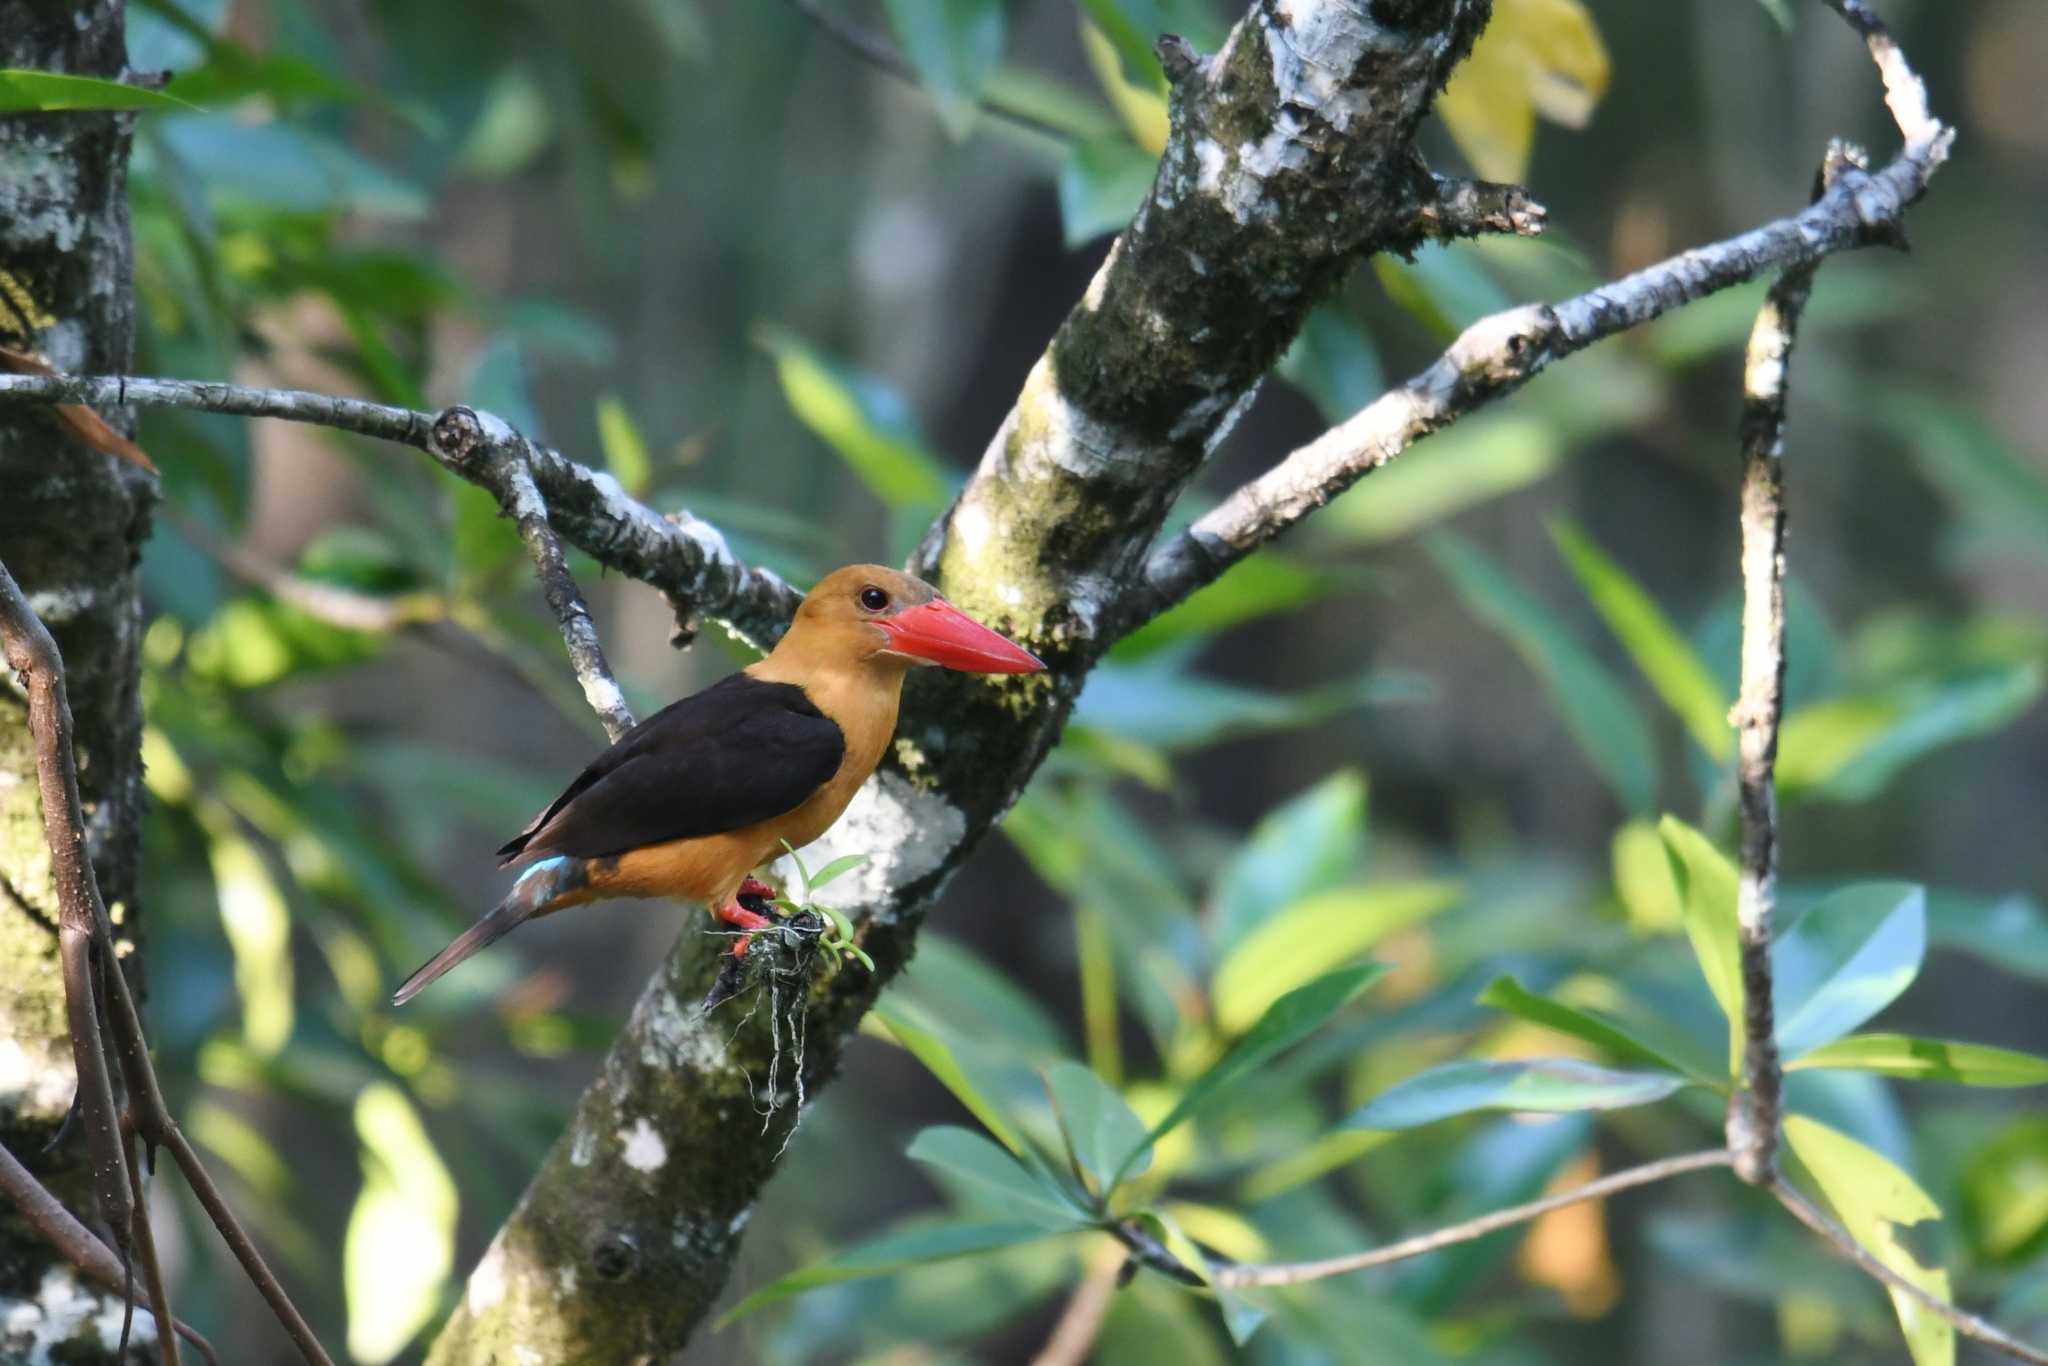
pixel 486 1287
pixel 35 1085
pixel 56 605
pixel 673 1037
pixel 34 1331
pixel 582 1147
pixel 641 1147
pixel 905 833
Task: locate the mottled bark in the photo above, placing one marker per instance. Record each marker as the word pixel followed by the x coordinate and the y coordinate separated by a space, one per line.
pixel 1291 157
pixel 71 527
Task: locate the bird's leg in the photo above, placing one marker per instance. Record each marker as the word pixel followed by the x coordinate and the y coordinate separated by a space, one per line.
pixel 748 912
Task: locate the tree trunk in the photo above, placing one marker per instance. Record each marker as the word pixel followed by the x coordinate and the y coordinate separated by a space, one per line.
pixel 72 523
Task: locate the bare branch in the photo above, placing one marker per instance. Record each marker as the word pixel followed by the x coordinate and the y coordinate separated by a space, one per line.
pixel 1245 1275
pixel 1843 1242
pixel 1498 354
pixel 63 1232
pixel 1754 1107
pixel 91 967
pixel 1468 208
pixel 679 554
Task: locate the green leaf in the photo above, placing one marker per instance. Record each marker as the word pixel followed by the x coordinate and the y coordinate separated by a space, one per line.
pixel 1528 1084
pixel 956 988
pixel 955 45
pixel 26 92
pixel 1991 481
pixel 292 168
pixel 1314 935
pixel 1706 882
pixel 1873 1199
pixel 1257 586
pixel 1134 27
pixel 625 450
pixel 400 1244
pixel 1444 287
pixel 898 1250
pixel 1333 361
pixel 1845 960
pixel 1157 704
pixel 1483 457
pixel 1915 1059
pixel 942 1062
pixel 837 869
pixel 1505 993
pixel 1102 183
pixel 257 923
pixel 1643 879
pixel 1599 714
pixel 2009 932
pixel 1099 1124
pixel 865 421
pixel 1287 1022
pixel 1677 673
pixel 1307 845
pixel 1014 1188
pixel 1850 749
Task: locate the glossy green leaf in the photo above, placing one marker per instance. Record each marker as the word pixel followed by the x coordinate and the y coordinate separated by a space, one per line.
pixel 25 91
pixel 291 167
pixel 400 1244
pixel 1157 703
pixel 1643 878
pixel 1333 361
pixel 918 1244
pixel 1599 714
pixel 1014 1189
pixel 1321 932
pixel 865 421
pixel 1917 1059
pixel 1677 673
pixel 625 449
pixel 1445 288
pixel 836 869
pixel 1505 993
pixel 257 923
pixel 1524 1084
pixel 1098 1123
pixel 1846 959
pixel 940 1059
pixel 1706 883
pixel 1485 456
pixel 1260 585
pixel 1102 182
pixel 1874 1198
pixel 1306 845
pixel 1850 749
pixel 1286 1022
pixel 955 46
pixel 2009 932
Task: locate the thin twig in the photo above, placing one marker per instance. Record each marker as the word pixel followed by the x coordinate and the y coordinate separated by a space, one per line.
pixel 1498 354
pixel 1468 208
pixel 1754 1108
pixel 881 55
pixel 1246 1275
pixel 152 1268
pixel 61 1229
pixel 681 555
pixel 33 654
pixel 1072 1340
pixel 1968 1324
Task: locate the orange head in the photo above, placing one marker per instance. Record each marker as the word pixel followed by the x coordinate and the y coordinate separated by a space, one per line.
pixel 866 612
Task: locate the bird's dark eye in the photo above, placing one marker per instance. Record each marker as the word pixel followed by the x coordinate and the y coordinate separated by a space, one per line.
pixel 873 599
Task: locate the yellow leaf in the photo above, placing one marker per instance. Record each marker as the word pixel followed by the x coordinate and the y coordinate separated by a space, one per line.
pixel 1536 57
pixel 1142 110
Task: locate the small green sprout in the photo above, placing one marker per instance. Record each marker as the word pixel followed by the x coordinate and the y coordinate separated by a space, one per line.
pixel 839 942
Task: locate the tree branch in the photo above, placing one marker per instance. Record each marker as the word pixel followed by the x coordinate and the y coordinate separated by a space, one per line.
pixel 679 554
pixel 1754 1106
pixel 1844 1243
pixel 1468 208
pixel 1245 1275
pixel 1498 354
pixel 92 973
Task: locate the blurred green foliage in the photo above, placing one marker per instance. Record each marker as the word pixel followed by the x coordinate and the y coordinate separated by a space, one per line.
pixel 1285 1034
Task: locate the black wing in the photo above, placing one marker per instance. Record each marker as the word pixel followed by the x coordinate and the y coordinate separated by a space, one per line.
pixel 740 752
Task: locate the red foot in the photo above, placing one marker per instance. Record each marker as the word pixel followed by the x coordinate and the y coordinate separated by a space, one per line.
pixel 739 917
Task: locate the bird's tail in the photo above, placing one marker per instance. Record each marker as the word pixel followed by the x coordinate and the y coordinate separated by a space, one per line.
pixel 539 890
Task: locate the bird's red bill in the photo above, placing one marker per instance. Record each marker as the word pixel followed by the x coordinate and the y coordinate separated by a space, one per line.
pixel 941 633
